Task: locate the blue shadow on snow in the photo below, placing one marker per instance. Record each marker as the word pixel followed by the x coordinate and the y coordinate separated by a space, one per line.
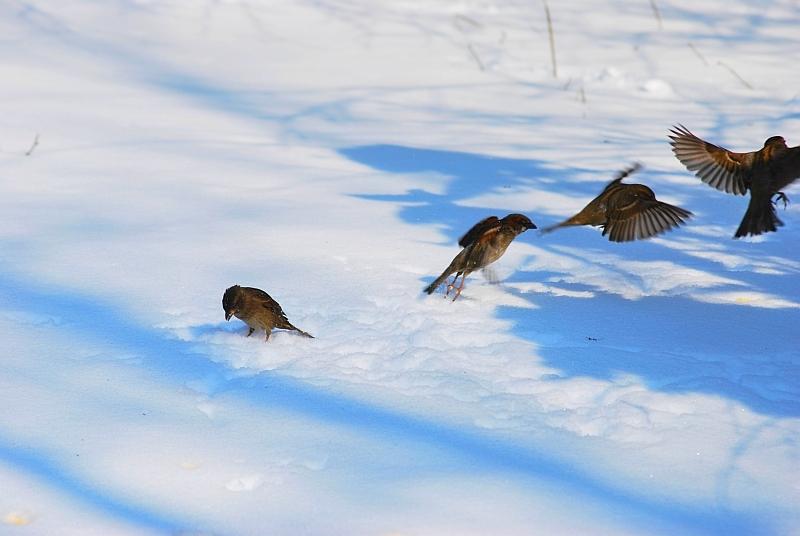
pixel 178 361
pixel 674 343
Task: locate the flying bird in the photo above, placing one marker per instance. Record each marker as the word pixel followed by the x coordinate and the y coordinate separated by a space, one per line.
pixel 627 211
pixel 483 244
pixel 764 172
pixel 257 309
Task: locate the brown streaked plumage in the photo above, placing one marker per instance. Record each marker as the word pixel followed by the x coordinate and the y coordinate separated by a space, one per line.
pixel 627 211
pixel 257 309
pixel 764 172
pixel 483 244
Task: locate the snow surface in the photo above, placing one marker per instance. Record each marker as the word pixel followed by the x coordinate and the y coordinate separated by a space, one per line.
pixel 331 153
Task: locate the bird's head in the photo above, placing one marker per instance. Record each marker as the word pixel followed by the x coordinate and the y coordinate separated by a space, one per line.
pixel 230 301
pixel 775 141
pixel 518 222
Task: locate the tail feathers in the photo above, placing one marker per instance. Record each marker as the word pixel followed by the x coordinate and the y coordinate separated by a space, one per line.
pixel 430 289
pixel 288 325
pixel 301 332
pixel 566 223
pixel 759 218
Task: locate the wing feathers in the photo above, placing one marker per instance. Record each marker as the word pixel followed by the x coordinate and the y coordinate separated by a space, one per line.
pixel 716 166
pixel 478 229
pixel 652 218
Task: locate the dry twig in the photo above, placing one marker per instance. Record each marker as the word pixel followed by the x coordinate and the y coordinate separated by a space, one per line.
pixel 697 53
pixel 734 73
pixel 552 39
pixel 657 14
pixel 35 143
pixel 476 57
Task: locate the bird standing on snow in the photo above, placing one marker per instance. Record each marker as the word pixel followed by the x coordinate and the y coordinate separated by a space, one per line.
pixel 627 211
pixel 764 172
pixel 257 309
pixel 483 244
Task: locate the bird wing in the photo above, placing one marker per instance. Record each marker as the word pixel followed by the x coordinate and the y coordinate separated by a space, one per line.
pixel 716 166
pixel 275 308
pixel 787 168
pixel 257 293
pixel 266 301
pixel 636 166
pixel 477 230
pixel 635 217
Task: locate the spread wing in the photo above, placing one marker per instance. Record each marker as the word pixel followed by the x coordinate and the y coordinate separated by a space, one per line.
pixel 716 166
pixel 637 214
pixel 480 228
pixel 636 166
pixel 618 179
pixel 787 168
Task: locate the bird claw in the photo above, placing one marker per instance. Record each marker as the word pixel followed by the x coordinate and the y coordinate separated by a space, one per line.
pixel 449 288
pixel 780 196
pixel 459 288
pixel 452 286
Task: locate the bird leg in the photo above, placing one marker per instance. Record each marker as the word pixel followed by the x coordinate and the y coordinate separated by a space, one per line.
pixel 782 197
pixel 460 288
pixel 269 332
pixel 251 331
pixel 451 286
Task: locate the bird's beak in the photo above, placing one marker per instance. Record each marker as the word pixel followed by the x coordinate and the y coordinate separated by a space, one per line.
pixel 531 226
pixel 228 315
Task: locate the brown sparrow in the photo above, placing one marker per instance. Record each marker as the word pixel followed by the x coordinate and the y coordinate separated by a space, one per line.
pixel 764 172
pixel 627 211
pixel 483 244
pixel 257 309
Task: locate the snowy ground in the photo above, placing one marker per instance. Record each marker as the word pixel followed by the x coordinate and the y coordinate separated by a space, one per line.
pixel 331 152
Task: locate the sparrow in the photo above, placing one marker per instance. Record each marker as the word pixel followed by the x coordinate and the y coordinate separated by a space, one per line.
pixel 483 244
pixel 257 309
pixel 627 211
pixel 764 172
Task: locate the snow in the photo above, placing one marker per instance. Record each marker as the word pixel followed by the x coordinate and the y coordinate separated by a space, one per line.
pixel 332 153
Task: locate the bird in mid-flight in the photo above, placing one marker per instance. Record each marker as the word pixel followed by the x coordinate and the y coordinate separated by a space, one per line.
pixel 627 211
pixel 257 309
pixel 483 244
pixel 764 173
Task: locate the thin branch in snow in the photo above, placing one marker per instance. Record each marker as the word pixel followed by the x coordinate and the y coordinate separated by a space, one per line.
pixel 459 19
pixel 35 143
pixel 657 14
pixel 734 73
pixel 698 54
pixel 552 39
pixel 476 57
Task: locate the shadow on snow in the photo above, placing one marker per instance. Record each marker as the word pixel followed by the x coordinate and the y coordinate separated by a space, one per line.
pixel 178 361
pixel 674 342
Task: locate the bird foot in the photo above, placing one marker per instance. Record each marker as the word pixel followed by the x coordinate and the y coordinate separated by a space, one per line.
pixel 458 290
pixel 450 286
pixel 780 196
